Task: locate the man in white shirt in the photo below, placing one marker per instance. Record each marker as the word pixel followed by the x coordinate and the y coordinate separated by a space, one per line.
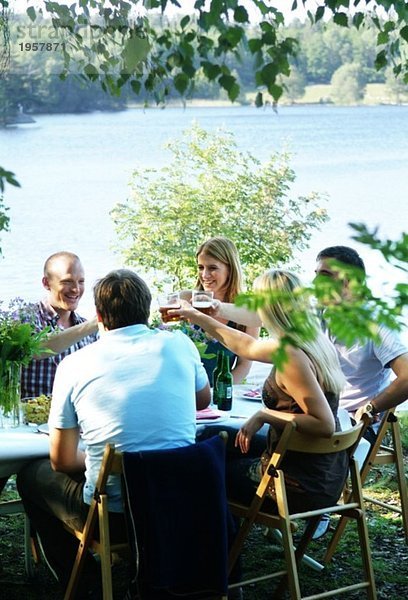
pixel 367 366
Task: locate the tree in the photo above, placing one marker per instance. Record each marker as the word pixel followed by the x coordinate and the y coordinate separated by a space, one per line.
pixel 348 84
pixel 210 188
pixel 295 85
pixel 321 61
pixel 396 89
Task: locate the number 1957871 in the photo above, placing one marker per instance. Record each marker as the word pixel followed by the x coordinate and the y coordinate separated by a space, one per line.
pixel 35 46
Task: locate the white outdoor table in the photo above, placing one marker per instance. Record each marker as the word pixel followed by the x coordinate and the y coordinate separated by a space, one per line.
pixel 19 446
pixel 242 408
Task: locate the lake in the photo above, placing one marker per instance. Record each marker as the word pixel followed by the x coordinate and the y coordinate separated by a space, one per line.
pixel 74 168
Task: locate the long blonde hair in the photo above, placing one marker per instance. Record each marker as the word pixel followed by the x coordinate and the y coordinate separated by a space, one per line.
pixel 225 251
pixel 281 315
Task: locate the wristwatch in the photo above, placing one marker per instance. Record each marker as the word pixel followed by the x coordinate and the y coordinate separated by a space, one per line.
pixel 370 409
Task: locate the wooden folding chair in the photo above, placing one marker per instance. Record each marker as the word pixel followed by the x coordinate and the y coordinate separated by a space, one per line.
pixel 380 454
pixel 116 463
pixel 98 511
pixel 284 521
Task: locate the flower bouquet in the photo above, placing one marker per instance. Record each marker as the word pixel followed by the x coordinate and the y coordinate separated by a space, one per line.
pixel 19 343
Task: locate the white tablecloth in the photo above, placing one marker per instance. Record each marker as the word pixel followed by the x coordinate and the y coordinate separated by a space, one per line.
pixel 20 445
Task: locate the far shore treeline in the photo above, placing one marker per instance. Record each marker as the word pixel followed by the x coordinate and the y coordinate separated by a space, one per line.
pixel 338 62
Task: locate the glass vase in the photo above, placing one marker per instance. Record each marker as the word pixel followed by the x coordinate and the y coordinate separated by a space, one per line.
pixel 10 395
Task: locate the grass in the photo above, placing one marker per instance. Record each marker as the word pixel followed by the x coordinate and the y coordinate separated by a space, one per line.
pixel 388 546
pixel 259 556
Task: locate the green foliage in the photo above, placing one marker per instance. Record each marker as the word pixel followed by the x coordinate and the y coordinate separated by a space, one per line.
pixel 122 44
pixel 33 82
pixel 7 177
pixel 19 341
pixel 210 188
pixel 395 252
pixel 391 27
pixel 403 419
pixel 162 54
pixel 4 218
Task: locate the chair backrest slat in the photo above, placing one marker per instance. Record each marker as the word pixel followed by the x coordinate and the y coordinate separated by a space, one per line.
pixel 341 440
pixel 293 440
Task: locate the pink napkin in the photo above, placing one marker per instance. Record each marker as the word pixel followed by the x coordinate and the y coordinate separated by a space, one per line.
pixel 207 413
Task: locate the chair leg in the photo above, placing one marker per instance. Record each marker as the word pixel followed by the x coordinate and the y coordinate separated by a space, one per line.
pixel 402 482
pixel 366 556
pixel 31 549
pixel 363 533
pixel 106 562
pixel 291 578
pixel 82 552
pixel 396 458
pixel 300 555
pixel 338 532
pixel 243 531
pixel 308 560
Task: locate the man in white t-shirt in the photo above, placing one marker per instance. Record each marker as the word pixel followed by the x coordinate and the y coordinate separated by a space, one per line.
pixel 135 387
pixel 368 367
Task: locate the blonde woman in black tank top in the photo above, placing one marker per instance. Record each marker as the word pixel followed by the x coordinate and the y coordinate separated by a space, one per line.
pixel 304 390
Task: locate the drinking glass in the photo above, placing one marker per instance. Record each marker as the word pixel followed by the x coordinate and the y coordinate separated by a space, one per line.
pixel 166 302
pixel 202 300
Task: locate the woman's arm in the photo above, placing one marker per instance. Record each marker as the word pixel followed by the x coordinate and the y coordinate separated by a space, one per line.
pixel 243 365
pixel 242 344
pixel 299 381
pixel 230 312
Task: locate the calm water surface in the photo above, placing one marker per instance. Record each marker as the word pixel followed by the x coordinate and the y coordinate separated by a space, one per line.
pixel 74 168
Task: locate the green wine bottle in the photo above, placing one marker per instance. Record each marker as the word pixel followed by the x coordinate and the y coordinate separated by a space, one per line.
pixel 224 385
pixel 215 374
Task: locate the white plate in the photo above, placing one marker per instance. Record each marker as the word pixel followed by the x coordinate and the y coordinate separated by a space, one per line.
pixel 240 391
pixel 43 428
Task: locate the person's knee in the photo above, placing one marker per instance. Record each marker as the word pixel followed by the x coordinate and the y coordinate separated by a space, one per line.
pixel 31 476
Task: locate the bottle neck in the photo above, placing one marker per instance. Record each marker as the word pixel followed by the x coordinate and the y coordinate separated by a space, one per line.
pixel 226 364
